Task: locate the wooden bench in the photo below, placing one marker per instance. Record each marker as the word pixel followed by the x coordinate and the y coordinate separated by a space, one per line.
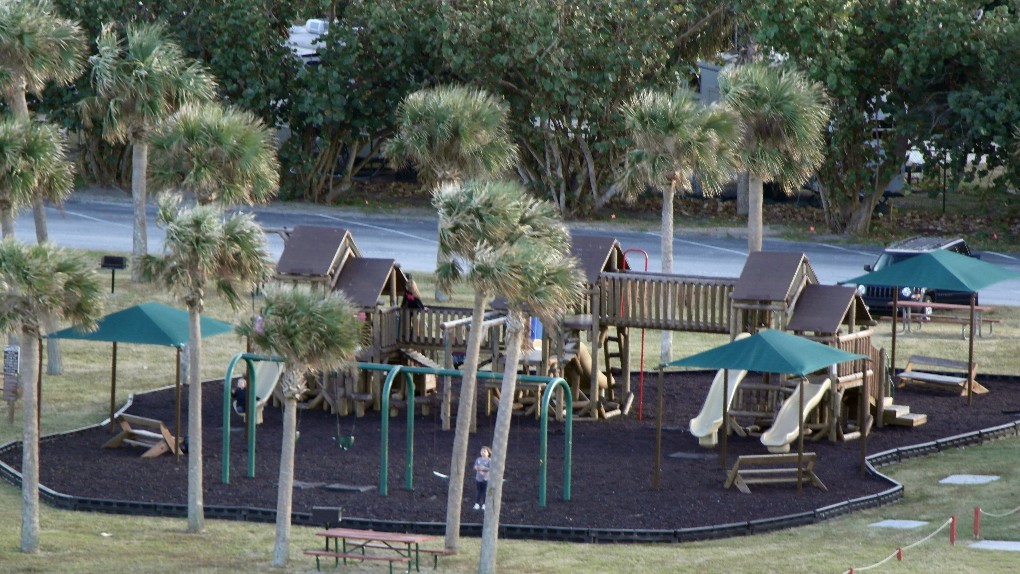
pixel 434 552
pixel 337 556
pixel 946 380
pixel 149 434
pixel 779 470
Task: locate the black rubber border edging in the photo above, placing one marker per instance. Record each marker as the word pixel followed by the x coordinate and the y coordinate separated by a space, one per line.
pixel 548 533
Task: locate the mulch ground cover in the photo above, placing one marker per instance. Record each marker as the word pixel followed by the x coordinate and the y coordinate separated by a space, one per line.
pixel 611 476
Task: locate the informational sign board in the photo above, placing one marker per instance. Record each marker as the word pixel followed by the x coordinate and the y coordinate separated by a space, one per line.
pixel 12 364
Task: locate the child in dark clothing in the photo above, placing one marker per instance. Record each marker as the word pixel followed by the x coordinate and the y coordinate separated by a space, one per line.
pixel 482 465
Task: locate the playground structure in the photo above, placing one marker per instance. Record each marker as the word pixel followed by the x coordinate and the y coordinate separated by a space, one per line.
pixel 590 348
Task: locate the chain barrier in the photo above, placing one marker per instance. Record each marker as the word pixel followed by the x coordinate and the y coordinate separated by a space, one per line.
pixel 898 553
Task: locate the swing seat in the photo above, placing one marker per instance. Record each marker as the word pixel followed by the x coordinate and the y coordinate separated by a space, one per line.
pixel 345 442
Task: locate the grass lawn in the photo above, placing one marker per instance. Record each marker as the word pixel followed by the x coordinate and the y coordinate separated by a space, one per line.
pixel 83 542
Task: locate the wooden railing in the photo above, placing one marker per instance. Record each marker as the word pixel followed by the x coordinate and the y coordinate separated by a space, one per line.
pixel 668 302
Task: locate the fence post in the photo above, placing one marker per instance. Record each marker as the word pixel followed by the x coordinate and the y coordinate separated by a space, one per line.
pixel 952 531
pixel 977 523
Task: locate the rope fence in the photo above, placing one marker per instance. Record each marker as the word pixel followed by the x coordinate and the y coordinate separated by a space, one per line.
pixel 977 518
pixel 898 553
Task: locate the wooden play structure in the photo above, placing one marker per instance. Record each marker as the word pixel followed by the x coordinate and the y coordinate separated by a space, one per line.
pixel 150 434
pixel 590 348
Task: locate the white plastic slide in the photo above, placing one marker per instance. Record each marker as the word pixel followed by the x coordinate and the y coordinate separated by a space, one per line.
pixel 267 375
pixel 785 429
pixel 706 425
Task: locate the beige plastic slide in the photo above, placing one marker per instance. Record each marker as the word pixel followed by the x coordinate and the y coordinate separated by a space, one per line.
pixel 267 375
pixel 706 425
pixel 784 429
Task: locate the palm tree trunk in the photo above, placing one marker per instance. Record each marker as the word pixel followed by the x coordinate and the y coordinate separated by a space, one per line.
pixel 7 222
pixel 196 507
pixel 465 408
pixel 285 492
pixel 39 213
pixel 666 237
pixel 742 193
pixel 54 364
pixel 500 438
pixel 30 444
pixel 754 213
pixel 139 169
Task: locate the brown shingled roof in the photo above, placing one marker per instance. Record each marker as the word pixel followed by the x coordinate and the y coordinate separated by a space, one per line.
pixel 823 308
pixel 364 280
pixel 313 251
pixel 596 254
pixel 769 276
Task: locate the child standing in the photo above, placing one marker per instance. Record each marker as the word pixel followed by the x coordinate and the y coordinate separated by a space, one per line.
pixel 482 465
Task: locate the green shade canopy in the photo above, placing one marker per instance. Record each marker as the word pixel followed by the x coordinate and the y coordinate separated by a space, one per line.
pixel 939 269
pixel 769 351
pixel 145 324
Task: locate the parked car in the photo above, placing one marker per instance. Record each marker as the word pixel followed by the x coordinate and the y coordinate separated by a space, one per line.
pixel 878 298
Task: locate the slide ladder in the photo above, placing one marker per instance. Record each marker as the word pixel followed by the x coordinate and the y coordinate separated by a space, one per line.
pixel 786 427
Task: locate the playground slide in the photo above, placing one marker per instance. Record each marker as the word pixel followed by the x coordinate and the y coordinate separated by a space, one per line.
pixel 267 375
pixel 706 425
pixel 584 359
pixel 784 430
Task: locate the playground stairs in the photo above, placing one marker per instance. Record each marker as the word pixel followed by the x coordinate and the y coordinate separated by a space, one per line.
pixel 900 415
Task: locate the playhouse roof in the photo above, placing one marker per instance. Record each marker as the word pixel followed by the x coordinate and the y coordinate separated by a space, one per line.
pixel 773 276
pixel 823 308
pixel 596 254
pixel 312 251
pixel 364 280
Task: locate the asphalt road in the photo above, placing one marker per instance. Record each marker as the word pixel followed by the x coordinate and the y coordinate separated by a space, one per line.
pixel 104 224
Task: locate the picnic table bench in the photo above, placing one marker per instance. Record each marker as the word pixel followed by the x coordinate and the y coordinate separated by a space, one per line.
pixel 947 377
pixel 396 547
pixel 915 314
pixel 779 470
pixel 150 434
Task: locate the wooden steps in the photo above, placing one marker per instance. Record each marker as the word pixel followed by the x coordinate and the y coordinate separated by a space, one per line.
pixel 900 415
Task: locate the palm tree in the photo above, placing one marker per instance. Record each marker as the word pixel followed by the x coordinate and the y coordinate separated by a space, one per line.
pixel 476 220
pixel 676 139
pixel 450 134
pixel 37 46
pixel 784 117
pixel 312 332
pixel 33 166
pixel 542 280
pixel 140 77
pixel 202 250
pixel 33 162
pixel 38 282
pixel 221 154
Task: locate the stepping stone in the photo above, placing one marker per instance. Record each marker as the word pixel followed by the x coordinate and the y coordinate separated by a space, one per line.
pixel 968 479
pixel 1008 545
pixel 694 455
pixel 348 487
pixel 903 524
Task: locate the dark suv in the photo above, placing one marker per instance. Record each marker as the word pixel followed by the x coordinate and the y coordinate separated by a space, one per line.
pixel 878 298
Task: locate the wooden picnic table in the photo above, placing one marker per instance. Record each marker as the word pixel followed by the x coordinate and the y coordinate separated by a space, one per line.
pixel 915 314
pixel 352 543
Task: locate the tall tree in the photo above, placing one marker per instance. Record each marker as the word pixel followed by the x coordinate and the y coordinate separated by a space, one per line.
pixel 140 77
pixel 450 134
pixel 37 46
pixel 676 138
pixel 540 279
pixel 566 68
pixel 474 219
pixel 313 332
pixel 784 117
pixel 221 154
pixel 203 250
pixel 38 283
